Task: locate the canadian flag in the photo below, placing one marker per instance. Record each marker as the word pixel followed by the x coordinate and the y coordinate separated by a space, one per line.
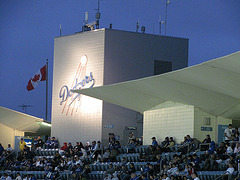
pixel 39 76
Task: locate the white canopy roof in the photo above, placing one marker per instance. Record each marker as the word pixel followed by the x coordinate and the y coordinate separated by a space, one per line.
pixel 213 86
pixel 19 121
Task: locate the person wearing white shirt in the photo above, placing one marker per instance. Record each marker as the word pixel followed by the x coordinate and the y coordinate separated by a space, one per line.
pixel 229 172
pixel 9 148
pixel 228 133
pixel 229 149
pixel 237 148
pixel 18 176
pixel 194 176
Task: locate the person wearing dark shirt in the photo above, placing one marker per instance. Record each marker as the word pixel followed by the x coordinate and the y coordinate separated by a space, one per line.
pixel 131 169
pixel 221 150
pixel 154 142
pixel 207 139
pixel 1 149
pixel 39 143
pixel 70 147
pixel 205 147
pixel 196 161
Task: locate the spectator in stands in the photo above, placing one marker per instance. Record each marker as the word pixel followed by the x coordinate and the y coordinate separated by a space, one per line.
pixel 93 147
pixel 158 151
pixel 236 136
pixel 207 139
pixel 113 154
pixel 131 146
pixel 1 149
pixel 123 161
pixel 57 159
pixel 195 176
pixel 98 151
pixel 69 148
pixel 9 148
pixel 77 148
pixel 229 172
pixel 133 176
pixel 228 133
pixel 22 143
pixel 111 138
pixel 235 131
pixel 6 177
pixel 131 137
pixel 138 141
pixel 165 142
pixel 115 176
pixel 35 142
pixel 110 170
pixel 185 146
pixel 18 176
pixel 54 143
pixel 184 140
pixel 154 142
pixel 123 173
pixel 144 177
pixel 171 143
pixel 106 156
pixel 149 153
pixel 39 143
pixel 196 161
pixel 173 170
pixel 84 154
pixel 212 148
pixel 48 143
pixel 48 172
pixel 211 164
pixel 117 145
pixel 63 148
pixel 229 149
pixel 221 149
pixel 33 147
pixel 131 169
pixel 237 148
pixel 191 169
pixel 231 160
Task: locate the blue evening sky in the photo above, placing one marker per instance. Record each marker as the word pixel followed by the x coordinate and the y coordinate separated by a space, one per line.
pixel 28 28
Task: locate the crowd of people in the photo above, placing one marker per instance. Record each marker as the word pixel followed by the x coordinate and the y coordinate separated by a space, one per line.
pixel 75 158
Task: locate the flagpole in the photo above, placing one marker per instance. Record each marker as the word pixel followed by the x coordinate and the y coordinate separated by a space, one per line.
pixel 46 90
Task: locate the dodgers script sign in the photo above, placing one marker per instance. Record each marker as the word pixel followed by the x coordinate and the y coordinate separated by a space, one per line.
pixel 80 80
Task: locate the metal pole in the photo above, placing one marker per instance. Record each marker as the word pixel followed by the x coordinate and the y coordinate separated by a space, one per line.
pixel 60 30
pixel 167 2
pixel 166 20
pixel 160 25
pixel 46 90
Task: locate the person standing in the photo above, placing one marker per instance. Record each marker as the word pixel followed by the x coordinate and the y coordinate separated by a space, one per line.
pixel 22 144
pixel 228 133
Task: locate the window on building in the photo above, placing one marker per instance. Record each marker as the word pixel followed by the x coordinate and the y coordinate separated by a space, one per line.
pixel 161 67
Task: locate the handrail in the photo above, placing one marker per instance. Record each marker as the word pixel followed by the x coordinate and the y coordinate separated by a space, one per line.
pixel 4 158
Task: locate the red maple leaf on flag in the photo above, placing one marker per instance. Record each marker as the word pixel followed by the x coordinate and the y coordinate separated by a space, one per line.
pixel 36 78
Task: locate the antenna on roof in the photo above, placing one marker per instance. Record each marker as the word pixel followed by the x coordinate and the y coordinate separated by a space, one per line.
pixel 24 107
pixel 143 29
pixel 167 3
pixel 86 17
pixel 160 25
pixel 137 26
pixel 97 16
pixel 60 30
